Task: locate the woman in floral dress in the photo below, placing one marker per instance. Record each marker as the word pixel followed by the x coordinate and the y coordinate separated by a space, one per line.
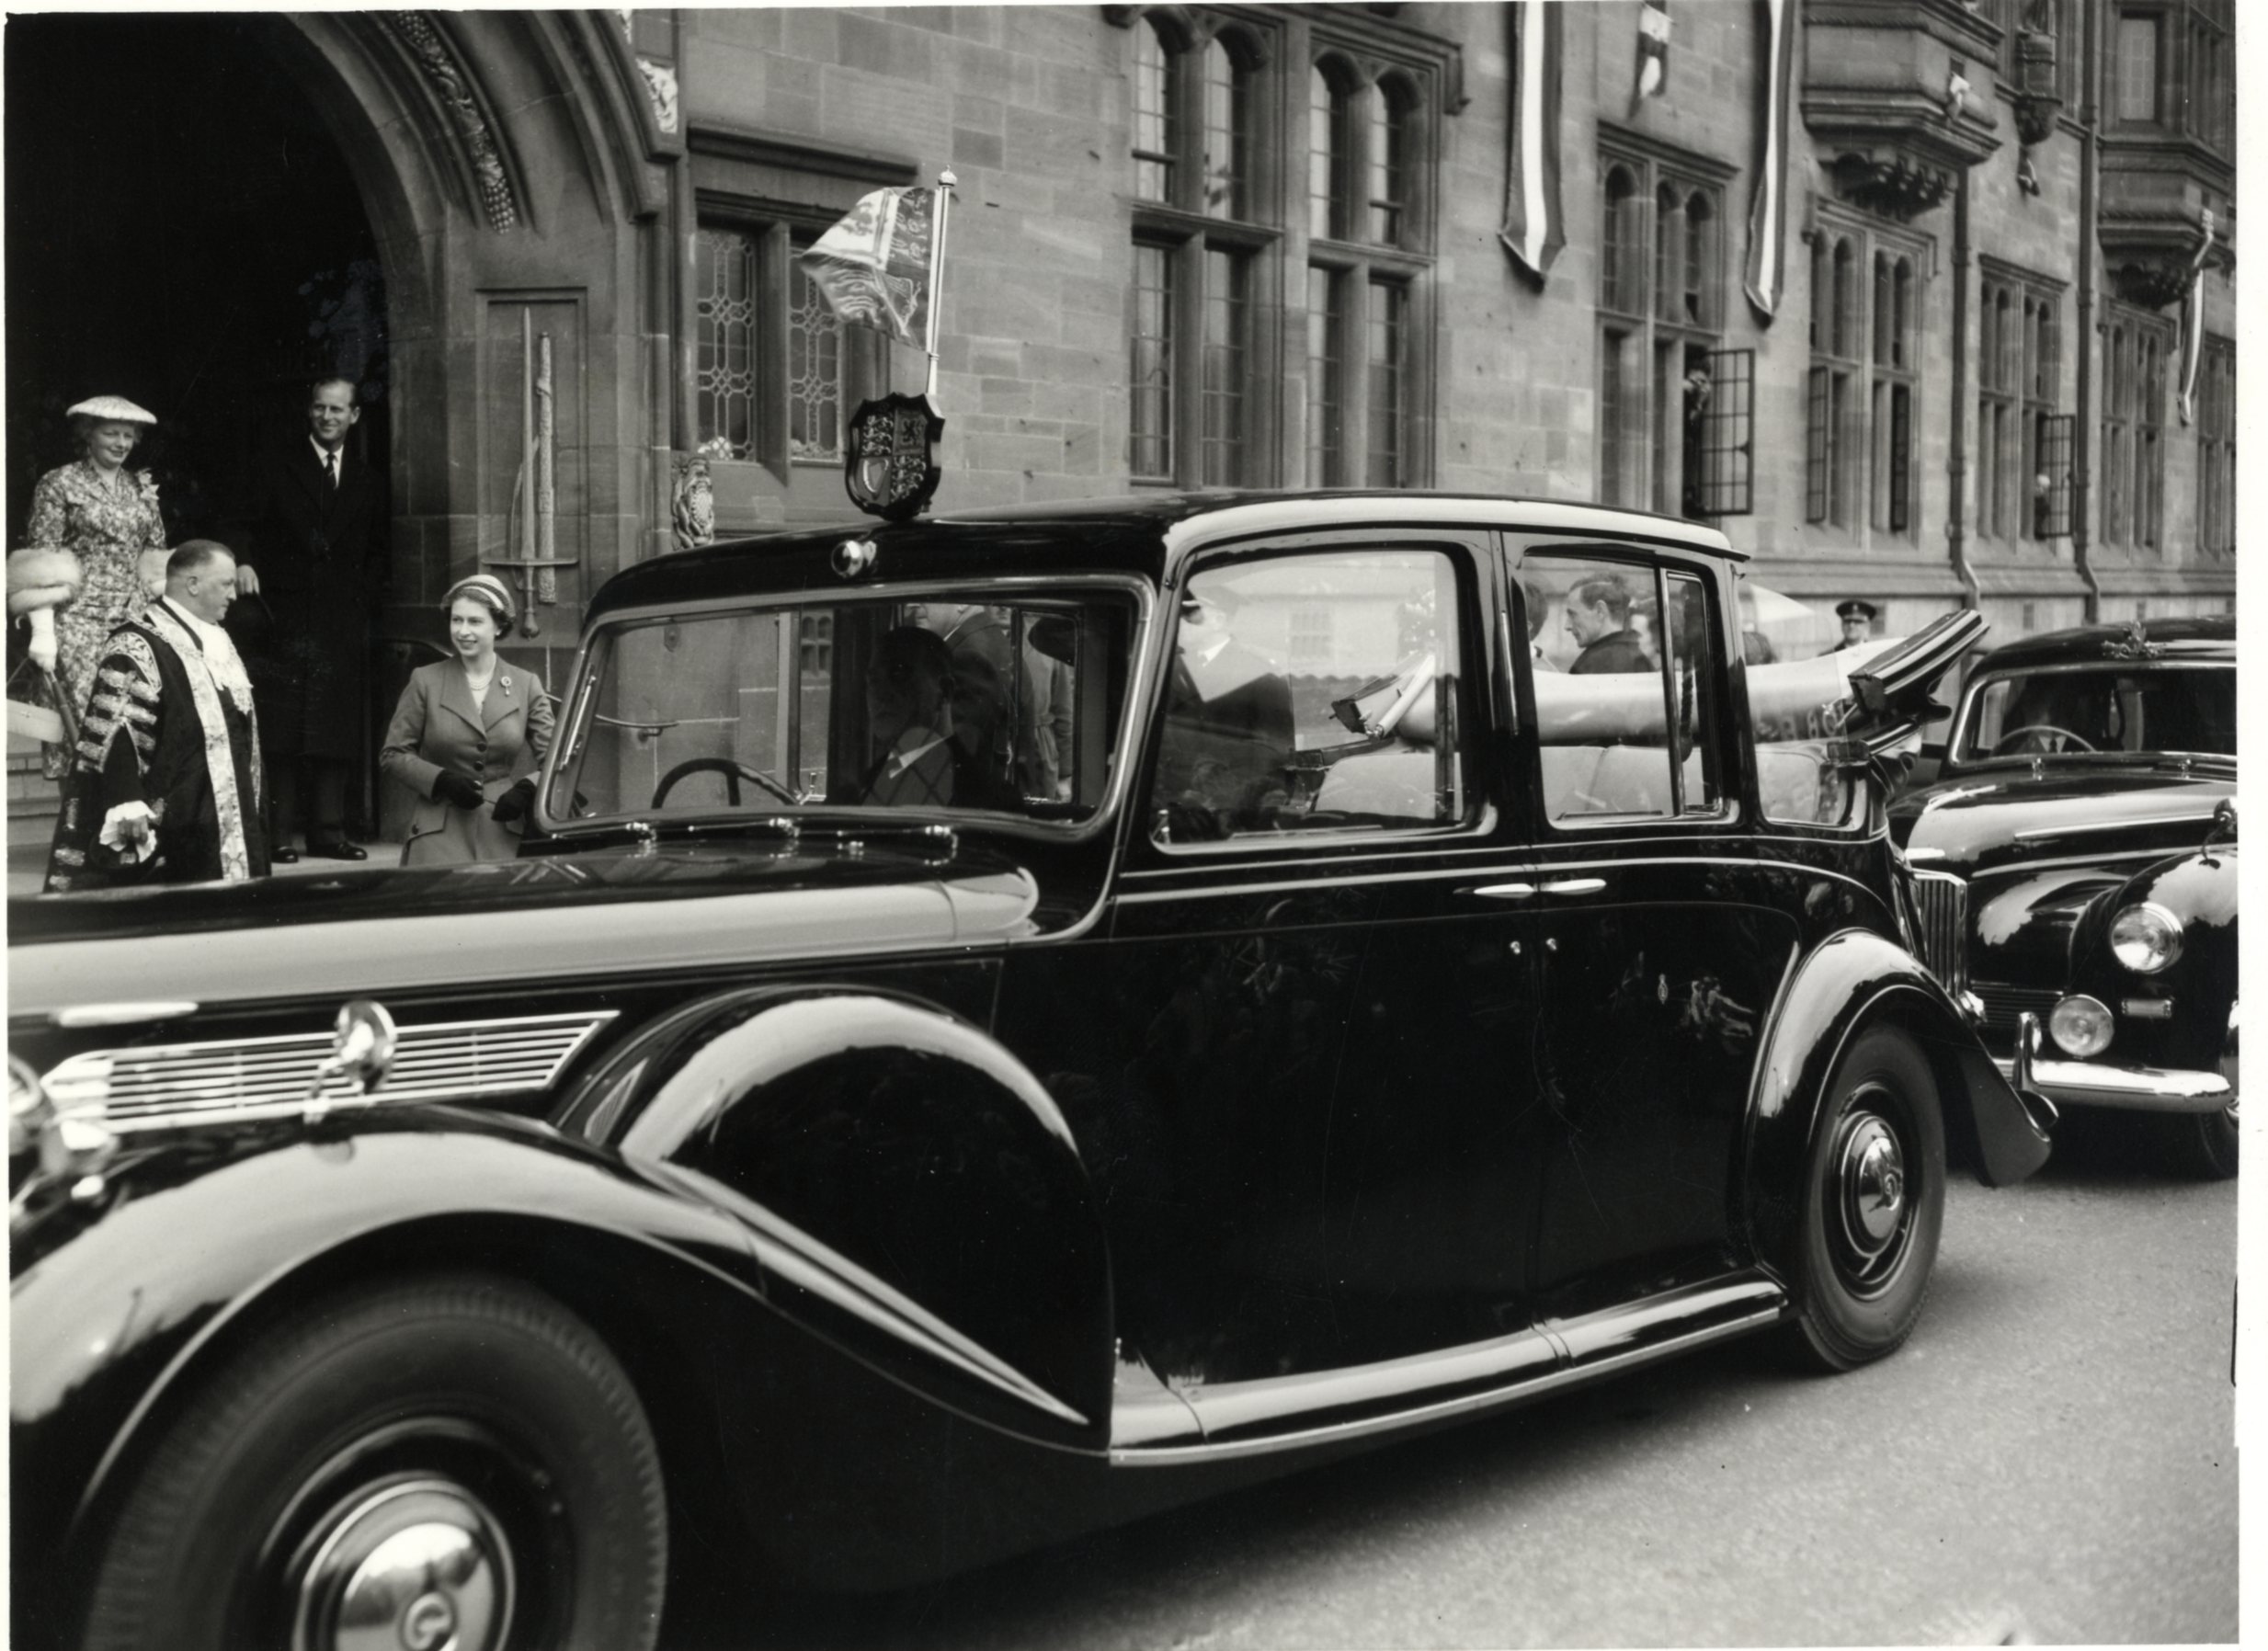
pixel 107 516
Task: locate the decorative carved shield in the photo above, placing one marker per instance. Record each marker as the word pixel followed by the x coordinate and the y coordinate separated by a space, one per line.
pixel 890 456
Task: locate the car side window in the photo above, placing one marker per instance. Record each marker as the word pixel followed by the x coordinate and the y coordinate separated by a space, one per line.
pixel 1311 692
pixel 1627 676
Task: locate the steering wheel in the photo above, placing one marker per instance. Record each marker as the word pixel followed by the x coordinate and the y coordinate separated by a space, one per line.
pixel 734 772
pixel 2069 738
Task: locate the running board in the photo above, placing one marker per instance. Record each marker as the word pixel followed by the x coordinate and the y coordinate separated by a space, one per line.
pixel 1163 1426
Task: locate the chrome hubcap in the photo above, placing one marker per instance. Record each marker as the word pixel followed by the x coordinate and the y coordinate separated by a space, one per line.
pixel 413 1565
pixel 1870 1186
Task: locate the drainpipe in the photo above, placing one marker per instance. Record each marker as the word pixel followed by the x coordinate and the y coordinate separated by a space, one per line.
pixel 2089 231
pixel 1957 460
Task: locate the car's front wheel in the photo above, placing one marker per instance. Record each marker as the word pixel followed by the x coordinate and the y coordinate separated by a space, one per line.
pixel 450 1461
pixel 1874 1204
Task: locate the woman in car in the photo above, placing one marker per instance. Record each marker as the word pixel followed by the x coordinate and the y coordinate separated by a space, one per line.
pixel 467 737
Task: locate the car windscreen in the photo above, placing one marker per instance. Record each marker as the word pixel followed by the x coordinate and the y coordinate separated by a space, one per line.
pixel 2110 710
pixel 950 700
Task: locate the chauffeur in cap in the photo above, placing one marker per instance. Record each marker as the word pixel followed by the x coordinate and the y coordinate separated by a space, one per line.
pixel 1858 624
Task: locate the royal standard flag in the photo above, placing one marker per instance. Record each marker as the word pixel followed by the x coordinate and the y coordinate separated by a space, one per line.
pixel 873 266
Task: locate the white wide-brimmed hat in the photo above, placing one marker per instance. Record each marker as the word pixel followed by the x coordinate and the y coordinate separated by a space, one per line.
pixel 116 408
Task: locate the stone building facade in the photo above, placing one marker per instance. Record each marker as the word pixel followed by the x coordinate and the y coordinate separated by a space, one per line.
pixel 1261 246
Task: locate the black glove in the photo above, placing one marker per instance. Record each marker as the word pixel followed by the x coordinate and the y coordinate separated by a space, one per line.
pixel 514 803
pixel 457 791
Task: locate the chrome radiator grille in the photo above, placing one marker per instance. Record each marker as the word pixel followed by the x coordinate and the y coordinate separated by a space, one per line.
pixel 178 1084
pixel 1942 901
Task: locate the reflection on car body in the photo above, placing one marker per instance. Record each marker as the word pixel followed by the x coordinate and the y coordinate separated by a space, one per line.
pixel 2081 842
pixel 1299 1018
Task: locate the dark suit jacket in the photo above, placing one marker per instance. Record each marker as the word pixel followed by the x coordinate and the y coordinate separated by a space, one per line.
pixel 307 535
pixel 1617 651
pixel 319 552
pixel 1229 734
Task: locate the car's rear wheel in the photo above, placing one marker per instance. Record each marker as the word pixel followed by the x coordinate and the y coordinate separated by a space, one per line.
pixel 1873 1204
pixel 450 1461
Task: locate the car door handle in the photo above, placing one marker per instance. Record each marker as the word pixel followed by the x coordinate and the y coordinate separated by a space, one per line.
pixel 1576 885
pixel 1507 891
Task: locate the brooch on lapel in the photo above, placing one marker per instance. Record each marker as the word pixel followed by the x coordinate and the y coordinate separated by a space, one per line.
pixel 505 682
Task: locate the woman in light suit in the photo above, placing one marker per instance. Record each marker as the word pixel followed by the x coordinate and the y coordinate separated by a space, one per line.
pixel 467 737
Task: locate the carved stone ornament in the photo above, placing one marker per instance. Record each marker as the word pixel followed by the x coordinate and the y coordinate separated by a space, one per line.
pixel 449 81
pixel 1884 181
pixel 693 501
pixel 2037 103
pixel 2153 283
pixel 661 87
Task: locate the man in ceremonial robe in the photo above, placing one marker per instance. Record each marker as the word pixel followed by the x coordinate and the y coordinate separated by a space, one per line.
pixel 165 784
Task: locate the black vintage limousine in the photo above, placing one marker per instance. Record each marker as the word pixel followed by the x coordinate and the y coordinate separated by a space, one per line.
pixel 2076 862
pixel 999 1023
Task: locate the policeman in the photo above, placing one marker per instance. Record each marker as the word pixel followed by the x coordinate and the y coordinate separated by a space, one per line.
pixel 1858 624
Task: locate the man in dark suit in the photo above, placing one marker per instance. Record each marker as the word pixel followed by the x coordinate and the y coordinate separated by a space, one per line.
pixel 1228 724
pixel 1599 619
pixel 316 523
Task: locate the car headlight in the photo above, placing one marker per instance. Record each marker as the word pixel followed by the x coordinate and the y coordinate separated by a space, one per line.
pixel 2080 1026
pixel 2145 938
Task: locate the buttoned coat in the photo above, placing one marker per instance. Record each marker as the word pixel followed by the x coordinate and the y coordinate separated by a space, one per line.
pixel 438 726
pixel 318 552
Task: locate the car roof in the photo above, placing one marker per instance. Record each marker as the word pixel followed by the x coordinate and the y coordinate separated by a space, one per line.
pixel 2213 636
pixel 1141 534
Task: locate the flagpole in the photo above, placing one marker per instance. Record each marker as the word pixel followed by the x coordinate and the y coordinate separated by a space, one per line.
pixel 946 183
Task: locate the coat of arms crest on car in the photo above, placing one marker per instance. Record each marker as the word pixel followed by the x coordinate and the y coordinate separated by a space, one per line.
pixel 890 456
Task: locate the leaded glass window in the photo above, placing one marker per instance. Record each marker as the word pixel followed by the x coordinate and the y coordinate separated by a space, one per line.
pixel 1388 164
pixel 1326 156
pixel 1152 123
pixel 1227 324
pixel 1326 357
pixel 1150 377
pixel 1228 137
pixel 725 351
pixel 1388 365
pixel 815 374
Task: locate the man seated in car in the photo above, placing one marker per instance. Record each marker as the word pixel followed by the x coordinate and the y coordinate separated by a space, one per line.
pixel 2057 713
pixel 1599 619
pixel 1228 724
pixel 909 718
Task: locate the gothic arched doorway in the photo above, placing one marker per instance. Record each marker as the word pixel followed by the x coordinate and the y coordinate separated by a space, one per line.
pixel 182 231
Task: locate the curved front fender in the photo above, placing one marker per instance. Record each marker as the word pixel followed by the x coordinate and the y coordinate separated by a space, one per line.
pixel 898 1163
pixel 117 1308
pixel 1849 981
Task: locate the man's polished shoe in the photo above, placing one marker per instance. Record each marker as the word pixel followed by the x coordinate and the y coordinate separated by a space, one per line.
pixel 283 856
pixel 335 847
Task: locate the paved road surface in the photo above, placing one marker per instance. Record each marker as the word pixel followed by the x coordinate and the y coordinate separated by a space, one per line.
pixel 2049 1460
